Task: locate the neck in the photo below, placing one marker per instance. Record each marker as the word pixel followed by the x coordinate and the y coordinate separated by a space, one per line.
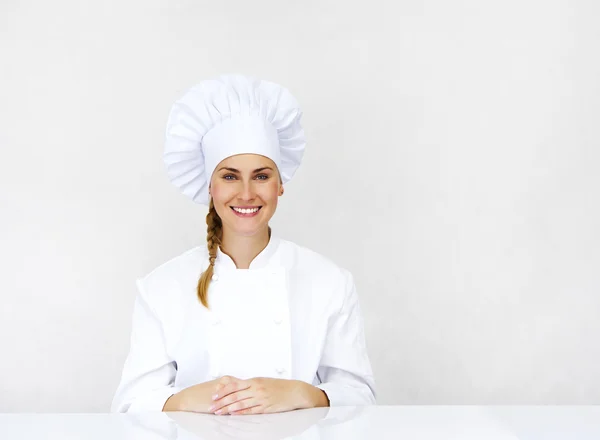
pixel 243 249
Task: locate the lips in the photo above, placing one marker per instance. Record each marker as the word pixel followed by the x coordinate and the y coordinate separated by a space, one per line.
pixel 247 211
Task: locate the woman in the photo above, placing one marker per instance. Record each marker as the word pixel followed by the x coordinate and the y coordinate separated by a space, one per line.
pixel 250 323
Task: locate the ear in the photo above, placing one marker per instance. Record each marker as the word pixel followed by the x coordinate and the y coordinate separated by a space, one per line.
pixel 281 191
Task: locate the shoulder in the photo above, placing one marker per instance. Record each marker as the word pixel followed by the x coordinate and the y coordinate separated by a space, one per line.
pixel 314 265
pixel 300 255
pixel 166 280
pixel 331 284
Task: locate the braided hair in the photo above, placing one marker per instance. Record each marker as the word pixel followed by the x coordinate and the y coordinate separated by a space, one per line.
pixel 213 241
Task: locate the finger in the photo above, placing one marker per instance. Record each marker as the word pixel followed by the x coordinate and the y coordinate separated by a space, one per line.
pixel 231 388
pixel 238 406
pixel 229 399
pixel 257 409
pixel 221 383
pixel 226 390
pixel 224 380
pixel 218 388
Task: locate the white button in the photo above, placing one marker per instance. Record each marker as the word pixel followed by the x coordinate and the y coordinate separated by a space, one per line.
pixel 278 321
pixel 280 370
pixel 215 277
pixel 217 321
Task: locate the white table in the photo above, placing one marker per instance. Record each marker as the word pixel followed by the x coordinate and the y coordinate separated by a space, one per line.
pixel 344 423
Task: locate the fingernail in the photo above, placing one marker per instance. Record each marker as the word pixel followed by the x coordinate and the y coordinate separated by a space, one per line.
pixel 211 408
pixel 215 397
pixel 219 412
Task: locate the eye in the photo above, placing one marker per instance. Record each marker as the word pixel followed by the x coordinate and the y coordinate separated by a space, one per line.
pixel 262 176
pixel 229 176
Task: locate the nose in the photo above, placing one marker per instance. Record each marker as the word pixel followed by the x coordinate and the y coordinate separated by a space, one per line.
pixel 247 191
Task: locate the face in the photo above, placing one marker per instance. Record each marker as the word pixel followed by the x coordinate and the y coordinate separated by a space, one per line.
pixel 245 189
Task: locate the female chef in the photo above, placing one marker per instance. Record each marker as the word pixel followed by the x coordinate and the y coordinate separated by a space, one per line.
pixel 250 323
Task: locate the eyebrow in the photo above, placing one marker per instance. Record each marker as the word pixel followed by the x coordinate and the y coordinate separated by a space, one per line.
pixel 233 170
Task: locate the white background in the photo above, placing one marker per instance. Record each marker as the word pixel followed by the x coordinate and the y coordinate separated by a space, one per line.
pixel 452 166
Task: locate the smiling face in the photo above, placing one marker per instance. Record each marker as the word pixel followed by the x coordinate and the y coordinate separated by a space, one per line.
pixel 245 189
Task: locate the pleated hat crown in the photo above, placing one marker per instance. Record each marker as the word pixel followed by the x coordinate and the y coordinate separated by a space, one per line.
pixel 226 116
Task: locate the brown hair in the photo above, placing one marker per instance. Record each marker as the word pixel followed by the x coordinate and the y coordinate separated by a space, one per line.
pixel 213 241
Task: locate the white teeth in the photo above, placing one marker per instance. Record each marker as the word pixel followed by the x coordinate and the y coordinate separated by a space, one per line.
pixel 245 211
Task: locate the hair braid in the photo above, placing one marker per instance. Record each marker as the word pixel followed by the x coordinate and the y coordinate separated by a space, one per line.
pixel 213 241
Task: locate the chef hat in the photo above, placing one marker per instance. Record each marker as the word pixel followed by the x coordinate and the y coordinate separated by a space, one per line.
pixel 233 114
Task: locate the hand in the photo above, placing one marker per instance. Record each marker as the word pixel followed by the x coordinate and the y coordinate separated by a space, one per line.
pixel 197 398
pixel 264 395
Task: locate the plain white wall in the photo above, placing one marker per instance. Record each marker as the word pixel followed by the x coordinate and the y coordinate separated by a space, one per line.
pixel 452 166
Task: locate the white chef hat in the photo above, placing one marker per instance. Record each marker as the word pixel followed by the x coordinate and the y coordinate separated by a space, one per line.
pixel 229 115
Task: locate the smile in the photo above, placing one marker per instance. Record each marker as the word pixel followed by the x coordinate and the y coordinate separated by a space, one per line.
pixel 246 212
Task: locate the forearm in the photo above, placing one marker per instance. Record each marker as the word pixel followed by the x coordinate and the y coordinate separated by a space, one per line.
pixel 311 396
pixel 174 403
pixel 197 398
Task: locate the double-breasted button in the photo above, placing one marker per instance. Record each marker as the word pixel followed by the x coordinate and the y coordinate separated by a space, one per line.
pixel 215 277
pixel 278 321
pixel 216 321
pixel 280 370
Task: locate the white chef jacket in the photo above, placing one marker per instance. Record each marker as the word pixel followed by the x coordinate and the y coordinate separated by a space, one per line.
pixel 293 314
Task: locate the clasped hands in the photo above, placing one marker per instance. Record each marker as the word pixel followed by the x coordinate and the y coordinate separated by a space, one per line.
pixel 255 396
pixel 259 395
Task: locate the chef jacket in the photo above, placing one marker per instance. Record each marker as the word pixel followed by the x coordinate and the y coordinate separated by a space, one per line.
pixel 293 314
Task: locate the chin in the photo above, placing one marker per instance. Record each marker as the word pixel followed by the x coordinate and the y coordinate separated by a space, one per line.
pixel 246 232
pixel 246 228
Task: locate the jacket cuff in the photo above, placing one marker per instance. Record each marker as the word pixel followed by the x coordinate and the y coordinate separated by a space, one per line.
pixel 153 402
pixel 344 395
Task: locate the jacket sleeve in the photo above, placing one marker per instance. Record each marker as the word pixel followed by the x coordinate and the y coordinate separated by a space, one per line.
pixel 148 374
pixel 345 370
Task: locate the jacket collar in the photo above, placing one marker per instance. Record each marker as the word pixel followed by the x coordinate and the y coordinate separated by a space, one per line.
pixel 262 260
